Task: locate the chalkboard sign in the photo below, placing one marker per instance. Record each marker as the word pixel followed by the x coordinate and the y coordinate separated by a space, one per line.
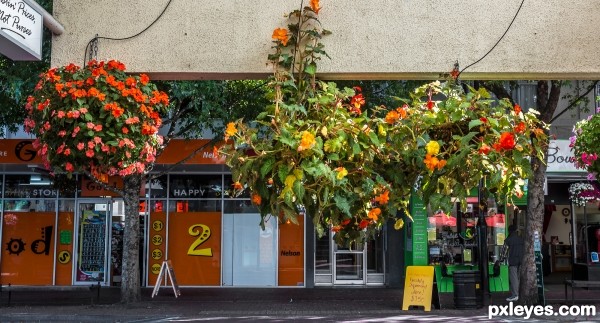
pixel 166 271
pixel 418 287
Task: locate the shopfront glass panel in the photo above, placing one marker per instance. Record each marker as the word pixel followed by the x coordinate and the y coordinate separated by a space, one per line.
pixel 349 266
pixel 249 252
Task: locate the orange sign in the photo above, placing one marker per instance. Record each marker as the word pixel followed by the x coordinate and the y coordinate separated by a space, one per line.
pixel 21 151
pixel 28 248
pixel 196 250
pixel 156 234
pixel 177 150
pixel 291 253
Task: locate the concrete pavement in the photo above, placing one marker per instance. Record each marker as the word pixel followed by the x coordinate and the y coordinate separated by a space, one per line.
pixel 336 304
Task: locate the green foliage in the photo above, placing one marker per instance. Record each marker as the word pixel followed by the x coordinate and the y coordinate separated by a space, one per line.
pixel 351 170
pixel 585 144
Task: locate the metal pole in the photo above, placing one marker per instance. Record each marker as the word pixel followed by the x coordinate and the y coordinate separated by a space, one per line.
pixel 482 242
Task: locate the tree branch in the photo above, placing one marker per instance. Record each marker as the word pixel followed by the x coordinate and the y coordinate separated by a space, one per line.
pixel 573 102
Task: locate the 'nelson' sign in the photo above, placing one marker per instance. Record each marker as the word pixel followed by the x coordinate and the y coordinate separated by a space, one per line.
pixel 20 31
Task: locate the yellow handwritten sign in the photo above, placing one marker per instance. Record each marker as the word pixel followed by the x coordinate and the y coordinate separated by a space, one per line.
pixel 418 287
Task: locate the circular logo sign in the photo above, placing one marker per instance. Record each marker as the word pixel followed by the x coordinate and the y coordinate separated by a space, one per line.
pixel 156 254
pixel 156 269
pixel 157 225
pixel 64 257
pixel 157 239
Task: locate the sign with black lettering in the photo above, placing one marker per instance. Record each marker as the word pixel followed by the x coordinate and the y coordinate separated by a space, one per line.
pixel 418 287
pixel 168 273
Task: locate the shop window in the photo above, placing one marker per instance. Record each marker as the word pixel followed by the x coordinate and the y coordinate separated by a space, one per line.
pixel 157 188
pixel 195 186
pixel 452 238
pixel 185 206
pixel 230 191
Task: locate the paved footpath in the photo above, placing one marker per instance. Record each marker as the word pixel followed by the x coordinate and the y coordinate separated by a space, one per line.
pixel 252 304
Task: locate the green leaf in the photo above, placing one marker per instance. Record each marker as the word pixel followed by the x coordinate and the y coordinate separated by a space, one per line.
pixel 267 167
pixel 311 68
pixel 283 172
pixel 333 156
pixel 475 123
pixel 342 204
pixel 298 189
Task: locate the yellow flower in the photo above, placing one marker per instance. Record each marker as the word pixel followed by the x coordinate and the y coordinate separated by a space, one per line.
pixel 307 141
pixel 433 148
pixel 342 172
pixel 399 224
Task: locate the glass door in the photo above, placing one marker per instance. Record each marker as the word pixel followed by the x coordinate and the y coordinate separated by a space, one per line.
pixel 349 264
pixel 92 238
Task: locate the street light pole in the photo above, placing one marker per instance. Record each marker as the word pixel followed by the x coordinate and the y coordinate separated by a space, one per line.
pixel 482 241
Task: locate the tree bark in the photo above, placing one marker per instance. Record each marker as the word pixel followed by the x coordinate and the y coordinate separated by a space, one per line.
pixel 130 284
pixel 547 101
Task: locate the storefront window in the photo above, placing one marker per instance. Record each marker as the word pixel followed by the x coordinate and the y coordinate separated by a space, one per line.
pixel 186 186
pixel 452 238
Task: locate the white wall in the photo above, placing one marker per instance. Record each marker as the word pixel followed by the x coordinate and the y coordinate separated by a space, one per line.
pixel 376 39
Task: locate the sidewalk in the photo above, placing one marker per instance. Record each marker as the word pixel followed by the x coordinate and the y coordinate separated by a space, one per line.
pixel 84 304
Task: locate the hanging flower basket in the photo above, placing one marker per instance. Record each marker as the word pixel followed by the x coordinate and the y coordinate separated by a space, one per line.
pixel 583 193
pixel 96 118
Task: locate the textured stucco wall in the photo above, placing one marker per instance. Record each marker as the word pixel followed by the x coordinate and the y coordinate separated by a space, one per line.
pixel 374 39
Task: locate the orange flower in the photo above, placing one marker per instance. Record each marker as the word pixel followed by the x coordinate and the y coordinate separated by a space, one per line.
pixel 403 111
pixel 230 131
pixel 256 199
pixel 520 128
pixel 391 117
pixel 383 198
pixel 281 35
pixel 538 131
pixel 363 224
pixel 345 222
pixel 144 79
pixel 215 152
pixel 484 149
pixel 307 141
pixel 517 109
pixel 117 112
pixel 314 5
pixel 431 162
pixel 441 164
pixel 237 186
pixel 374 214
pixel 507 140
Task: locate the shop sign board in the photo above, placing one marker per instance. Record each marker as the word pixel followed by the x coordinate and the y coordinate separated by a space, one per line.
pixel 561 158
pixel 419 231
pixel 21 30
pixel 418 287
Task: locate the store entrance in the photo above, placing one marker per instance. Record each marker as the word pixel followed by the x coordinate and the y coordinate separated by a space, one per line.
pixel 356 264
pixel 92 235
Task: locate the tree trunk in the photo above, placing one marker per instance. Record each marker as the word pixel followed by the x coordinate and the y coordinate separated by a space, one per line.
pixel 130 284
pixel 546 105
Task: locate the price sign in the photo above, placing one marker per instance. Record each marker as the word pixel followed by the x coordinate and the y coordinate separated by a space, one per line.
pixel 418 287
pixel 157 225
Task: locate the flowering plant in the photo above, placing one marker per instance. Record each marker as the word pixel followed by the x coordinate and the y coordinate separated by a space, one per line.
pixel 582 193
pixel 315 151
pixel 97 118
pixel 584 144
